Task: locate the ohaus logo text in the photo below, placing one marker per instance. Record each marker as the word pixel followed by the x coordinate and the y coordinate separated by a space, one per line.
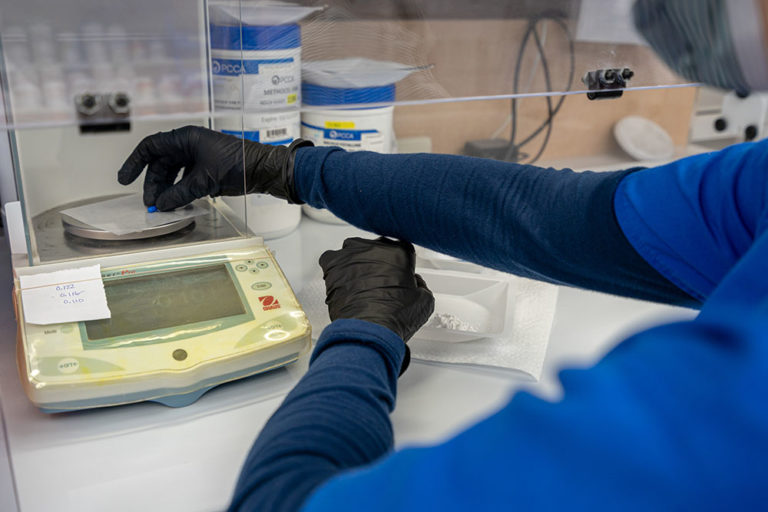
pixel 268 303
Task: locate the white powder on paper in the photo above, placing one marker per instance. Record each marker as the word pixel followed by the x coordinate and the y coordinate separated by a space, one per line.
pixel 452 322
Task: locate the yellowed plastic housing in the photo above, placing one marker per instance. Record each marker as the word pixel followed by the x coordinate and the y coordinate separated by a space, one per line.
pixel 178 328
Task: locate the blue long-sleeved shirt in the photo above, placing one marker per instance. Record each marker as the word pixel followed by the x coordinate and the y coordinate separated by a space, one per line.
pixel 672 418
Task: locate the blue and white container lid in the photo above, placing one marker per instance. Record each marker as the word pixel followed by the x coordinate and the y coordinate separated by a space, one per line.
pixel 355 72
pixel 318 95
pixel 236 12
pixel 255 37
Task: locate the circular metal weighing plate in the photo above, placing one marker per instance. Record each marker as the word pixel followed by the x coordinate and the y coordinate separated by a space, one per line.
pixel 55 241
pixel 77 228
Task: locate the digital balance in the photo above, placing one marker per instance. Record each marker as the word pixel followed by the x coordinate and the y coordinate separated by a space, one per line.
pixel 180 325
pixel 194 303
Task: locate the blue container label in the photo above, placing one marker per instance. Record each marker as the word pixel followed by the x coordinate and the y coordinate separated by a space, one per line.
pixel 336 134
pixel 235 67
pixel 255 136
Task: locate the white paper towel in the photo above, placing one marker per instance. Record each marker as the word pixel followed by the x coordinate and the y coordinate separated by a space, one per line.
pixel 522 348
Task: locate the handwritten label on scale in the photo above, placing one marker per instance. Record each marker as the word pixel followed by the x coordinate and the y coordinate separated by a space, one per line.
pixel 72 295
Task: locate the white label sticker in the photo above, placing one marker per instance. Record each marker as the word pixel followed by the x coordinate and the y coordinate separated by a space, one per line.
pixel 64 296
pixel 275 85
pixel 260 83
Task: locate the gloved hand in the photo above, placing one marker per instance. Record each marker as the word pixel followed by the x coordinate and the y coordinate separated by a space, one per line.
pixel 214 164
pixel 374 280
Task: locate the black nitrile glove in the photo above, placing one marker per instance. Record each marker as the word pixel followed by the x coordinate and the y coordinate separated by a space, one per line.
pixel 213 165
pixel 374 280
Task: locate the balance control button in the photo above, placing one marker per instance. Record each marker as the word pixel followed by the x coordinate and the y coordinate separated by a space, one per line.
pixel 254 271
pixel 262 265
pixel 179 354
pixel 241 268
pixel 263 285
pixel 68 365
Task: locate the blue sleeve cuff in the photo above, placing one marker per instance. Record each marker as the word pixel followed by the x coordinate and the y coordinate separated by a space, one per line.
pixel 307 161
pixel 350 330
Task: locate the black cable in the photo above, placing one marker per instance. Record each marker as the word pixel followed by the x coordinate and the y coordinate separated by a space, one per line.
pixel 562 98
pixel 568 87
pixel 513 152
pixel 550 111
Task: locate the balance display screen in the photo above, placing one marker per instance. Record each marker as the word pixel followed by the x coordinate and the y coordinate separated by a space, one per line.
pixel 168 299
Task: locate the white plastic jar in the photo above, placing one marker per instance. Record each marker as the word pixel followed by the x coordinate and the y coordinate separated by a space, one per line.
pixel 264 215
pixel 275 128
pixel 258 65
pixel 352 129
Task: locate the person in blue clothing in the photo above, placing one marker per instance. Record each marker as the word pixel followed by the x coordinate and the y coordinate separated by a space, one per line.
pixel 673 418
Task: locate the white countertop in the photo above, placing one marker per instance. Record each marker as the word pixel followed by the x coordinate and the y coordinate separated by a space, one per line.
pixel 150 457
